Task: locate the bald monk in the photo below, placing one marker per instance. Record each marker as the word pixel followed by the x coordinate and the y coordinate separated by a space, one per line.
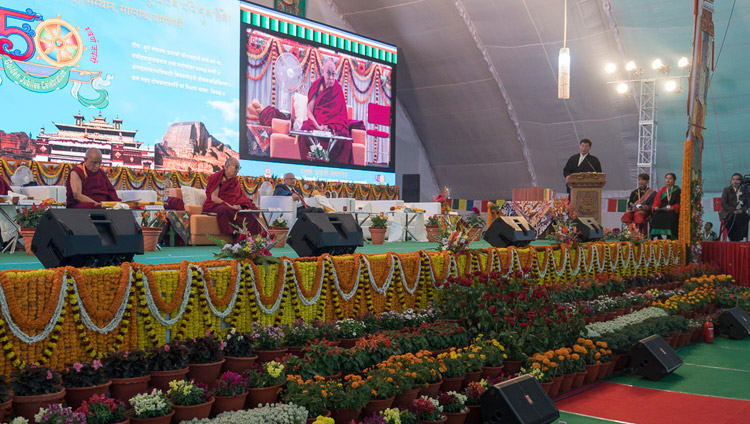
pixel 88 186
pixel 326 111
pixel 225 198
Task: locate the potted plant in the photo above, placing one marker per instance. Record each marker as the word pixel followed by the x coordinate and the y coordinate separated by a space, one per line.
pixel 311 394
pixel 55 413
pixel 378 224
pixel 455 370
pixel 475 222
pixel 167 363
pixel 494 356
pixel 230 391
pixel 350 330
pixel 432 225
pixel 348 397
pixel 279 228
pixel 454 407
pixel 189 400
pixel 28 219
pixel 324 358
pixel 128 371
pixel 151 408
pixel 383 390
pixel 427 371
pixel 151 226
pixel 428 410
pixel 238 351
pixel 5 397
pixel 33 387
pixel 297 335
pixel 267 341
pixel 82 380
pixel 99 409
pixel 204 358
pixel 473 393
pixel 263 383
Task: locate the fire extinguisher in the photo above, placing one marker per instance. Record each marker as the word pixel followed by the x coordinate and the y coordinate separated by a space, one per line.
pixel 708 330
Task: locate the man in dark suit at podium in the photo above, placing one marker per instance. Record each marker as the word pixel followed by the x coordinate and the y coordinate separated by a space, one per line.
pixel 288 188
pixel 581 162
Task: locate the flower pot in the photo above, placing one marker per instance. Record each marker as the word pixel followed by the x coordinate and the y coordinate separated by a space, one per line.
pixel 670 341
pixel 348 343
pixel 28 406
pixel 431 389
pixel 325 413
pixel 228 403
pixel 603 368
pixel 269 355
pixel 547 387
pixel 580 377
pixel 125 388
pixel 555 387
pixel 377 405
pixel 238 364
pixel 567 382
pixel 491 372
pixel 512 367
pixel 685 338
pixel 622 362
pixel 150 238
pixel 336 376
pixel 160 379
pixel 452 384
pixel 262 396
pixel 405 399
pixel 433 422
pixel 377 235
pixel 474 234
pixel 281 234
pixel 188 412
pixel 433 233
pixel 592 373
pixel 475 415
pixel 345 415
pixel 4 409
pixel 456 417
pixel 296 351
pixel 74 396
pixel 470 376
pixel 205 373
pixel 125 421
pixel 164 419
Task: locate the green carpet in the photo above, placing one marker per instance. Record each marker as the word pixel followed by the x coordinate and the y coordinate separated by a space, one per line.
pixel 570 418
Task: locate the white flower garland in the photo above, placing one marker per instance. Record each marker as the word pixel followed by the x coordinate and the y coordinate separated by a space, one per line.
pixel 403 276
pixel 183 305
pixel 313 300
pixel 235 295
pixel 387 284
pixel 112 325
pixel 345 296
pixel 275 307
pixel 20 334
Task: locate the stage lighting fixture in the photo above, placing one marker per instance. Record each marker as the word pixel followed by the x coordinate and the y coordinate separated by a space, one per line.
pixel 610 68
pixel 671 86
pixel 623 88
pixel 657 64
pixel 683 62
pixel 631 66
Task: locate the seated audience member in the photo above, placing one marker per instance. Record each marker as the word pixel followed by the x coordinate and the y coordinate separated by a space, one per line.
pixel 639 204
pixel 289 188
pixel 225 198
pixel 707 234
pixel 665 221
pixel 734 210
pixel 88 186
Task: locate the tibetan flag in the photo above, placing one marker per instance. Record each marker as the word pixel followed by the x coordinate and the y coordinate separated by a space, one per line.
pixel 469 205
pixel 461 205
pixel 617 205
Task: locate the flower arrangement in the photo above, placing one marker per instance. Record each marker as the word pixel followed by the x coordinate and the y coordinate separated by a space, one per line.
pixel 153 219
pixel 402 378
pixel 56 413
pixel 172 356
pixel 152 404
pixel 432 221
pixel 266 375
pixel 238 345
pixel 351 328
pixel 128 364
pixel 563 227
pixel 299 333
pixel 537 373
pixel 381 382
pixel 229 384
pixel 474 391
pixel 323 356
pixel 443 199
pixel 454 363
pixel 453 402
pixel 453 238
pixel 35 380
pixel 186 393
pixel 378 221
pixel 474 219
pixel 266 337
pixel 492 351
pixel 312 394
pixel 86 374
pixel 280 222
pixel 248 246
pixel 426 408
pixel 99 409
pixel 352 392
pixel 424 368
pixel 204 350
pixel 30 217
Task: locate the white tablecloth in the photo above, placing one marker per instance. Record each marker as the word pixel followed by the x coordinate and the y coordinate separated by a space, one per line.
pixel 137 195
pixel 56 193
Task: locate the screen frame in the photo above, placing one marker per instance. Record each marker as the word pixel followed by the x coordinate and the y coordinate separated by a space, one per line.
pixel 243 139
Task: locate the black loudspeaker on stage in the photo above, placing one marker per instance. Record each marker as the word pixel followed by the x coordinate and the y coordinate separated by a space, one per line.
pixel 87 238
pixel 589 228
pixel 510 231
pixel 521 400
pixel 734 323
pixel 410 190
pixel 654 358
pixel 317 233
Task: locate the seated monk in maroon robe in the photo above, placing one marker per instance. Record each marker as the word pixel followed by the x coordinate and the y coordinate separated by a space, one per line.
pixel 225 198
pixel 326 111
pixel 88 186
pixel 4 187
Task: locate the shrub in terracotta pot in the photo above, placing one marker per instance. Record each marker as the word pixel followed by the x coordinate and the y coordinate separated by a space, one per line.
pixel 204 358
pixel 99 409
pixel 307 393
pixel 189 400
pixel 426 408
pixel 147 406
pixel 56 413
pixel 239 355
pixel 82 380
pixel 35 387
pixel 128 371
pixel 229 391
pixel 167 363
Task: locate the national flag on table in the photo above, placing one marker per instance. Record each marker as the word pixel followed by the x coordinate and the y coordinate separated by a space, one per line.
pixel 617 205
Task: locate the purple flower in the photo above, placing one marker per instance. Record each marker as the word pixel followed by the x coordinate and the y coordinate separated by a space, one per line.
pixel 49 375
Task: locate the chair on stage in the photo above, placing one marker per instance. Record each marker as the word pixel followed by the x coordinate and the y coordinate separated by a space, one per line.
pixel 380 116
pixel 724 231
pixel 200 224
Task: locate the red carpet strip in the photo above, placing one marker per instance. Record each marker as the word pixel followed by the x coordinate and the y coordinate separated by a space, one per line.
pixel 645 406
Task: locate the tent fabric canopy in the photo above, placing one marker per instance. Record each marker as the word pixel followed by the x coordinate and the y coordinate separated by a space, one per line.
pixel 478 80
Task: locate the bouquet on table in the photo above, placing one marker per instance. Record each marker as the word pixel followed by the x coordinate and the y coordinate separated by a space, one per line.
pixel 256 247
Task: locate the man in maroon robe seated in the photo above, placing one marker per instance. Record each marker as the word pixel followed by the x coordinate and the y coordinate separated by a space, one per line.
pixel 326 111
pixel 4 187
pixel 225 197
pixel 88 186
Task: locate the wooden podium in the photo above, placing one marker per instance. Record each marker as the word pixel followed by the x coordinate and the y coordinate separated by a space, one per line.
pixel 586 194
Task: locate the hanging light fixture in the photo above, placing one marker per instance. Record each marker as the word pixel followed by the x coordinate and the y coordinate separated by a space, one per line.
pixel 563 60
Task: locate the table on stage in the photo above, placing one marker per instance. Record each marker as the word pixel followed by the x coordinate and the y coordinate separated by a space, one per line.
pixel 315 135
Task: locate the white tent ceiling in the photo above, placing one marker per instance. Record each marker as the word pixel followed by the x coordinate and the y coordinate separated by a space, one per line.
pixel 478 79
